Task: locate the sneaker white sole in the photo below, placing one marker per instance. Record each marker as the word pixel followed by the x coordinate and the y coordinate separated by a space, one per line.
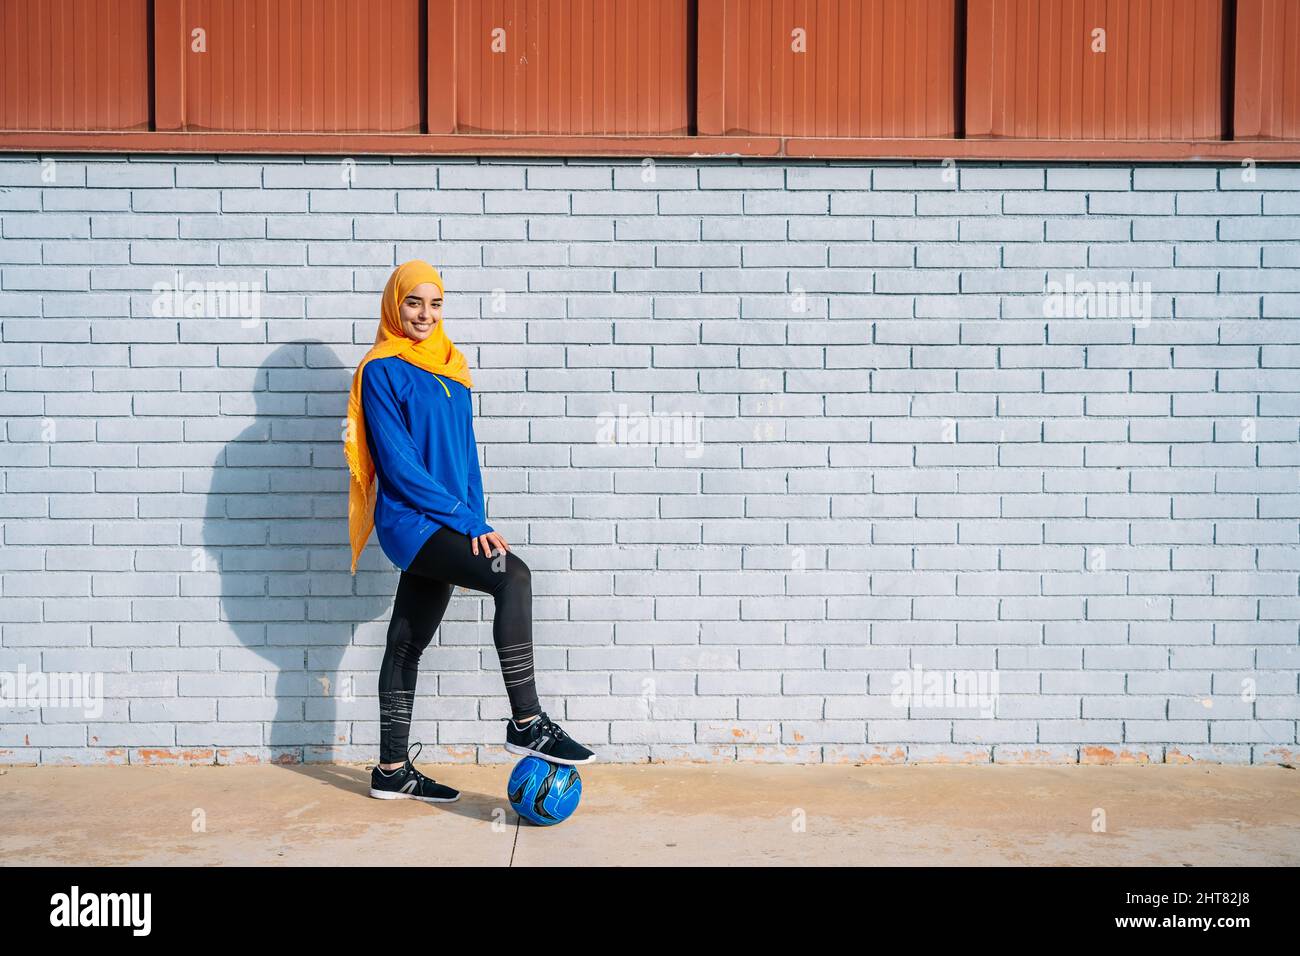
pixel 516 749
pixel 388 795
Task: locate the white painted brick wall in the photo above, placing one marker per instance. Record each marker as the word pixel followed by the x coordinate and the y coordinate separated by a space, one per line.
pixel 907 464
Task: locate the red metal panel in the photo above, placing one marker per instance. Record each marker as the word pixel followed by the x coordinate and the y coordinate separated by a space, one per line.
pixel 710 89
pixel 440 97
pixel 169 53
pixel 626 77
pixel 302 65
pixel 572 66
pixel 1032 72
pixel 74 65
pixel 1266 102
pixel 866 67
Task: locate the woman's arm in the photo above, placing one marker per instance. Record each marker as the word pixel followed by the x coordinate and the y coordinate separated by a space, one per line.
pixel 399 460
pixel 476 480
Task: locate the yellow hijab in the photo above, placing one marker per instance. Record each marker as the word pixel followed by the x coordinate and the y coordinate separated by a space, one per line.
pixel 437 354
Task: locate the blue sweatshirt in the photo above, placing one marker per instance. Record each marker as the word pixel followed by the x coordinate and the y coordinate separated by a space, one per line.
pixel 420 431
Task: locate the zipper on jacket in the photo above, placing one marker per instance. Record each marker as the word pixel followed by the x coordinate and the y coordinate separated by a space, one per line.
pixel 442 383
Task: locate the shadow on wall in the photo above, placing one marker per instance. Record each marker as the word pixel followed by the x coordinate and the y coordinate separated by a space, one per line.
pixel 276 527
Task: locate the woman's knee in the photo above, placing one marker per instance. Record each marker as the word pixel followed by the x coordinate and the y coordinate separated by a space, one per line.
pixel 405 645
pixel 517 575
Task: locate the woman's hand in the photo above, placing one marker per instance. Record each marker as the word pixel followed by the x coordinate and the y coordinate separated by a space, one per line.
pixel 489 540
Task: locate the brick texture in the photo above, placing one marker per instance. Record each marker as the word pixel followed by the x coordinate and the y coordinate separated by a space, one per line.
pixel 843 462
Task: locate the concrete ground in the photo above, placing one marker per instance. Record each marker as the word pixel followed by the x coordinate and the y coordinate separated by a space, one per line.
pixel 659 814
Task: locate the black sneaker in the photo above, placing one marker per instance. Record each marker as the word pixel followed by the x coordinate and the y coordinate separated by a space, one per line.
pixel 542 737
pixel 407 783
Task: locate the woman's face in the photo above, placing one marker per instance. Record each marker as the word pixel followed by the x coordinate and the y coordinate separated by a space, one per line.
pixel 421 311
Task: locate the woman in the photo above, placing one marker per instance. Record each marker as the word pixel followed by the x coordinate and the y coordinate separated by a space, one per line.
pixel 410 427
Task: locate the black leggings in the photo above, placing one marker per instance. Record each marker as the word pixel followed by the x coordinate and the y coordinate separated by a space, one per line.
pixel 423 592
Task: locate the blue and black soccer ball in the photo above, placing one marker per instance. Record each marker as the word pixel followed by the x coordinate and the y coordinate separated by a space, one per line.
pixel 545 793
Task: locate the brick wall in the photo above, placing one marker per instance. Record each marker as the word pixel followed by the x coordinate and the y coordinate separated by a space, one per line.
pixel 892 457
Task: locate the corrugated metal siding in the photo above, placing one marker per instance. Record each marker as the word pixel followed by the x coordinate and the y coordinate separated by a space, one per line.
pixel 317 65
pixel 641 76
pixel 572 66
pixel 1267 91
pixel 869 67
pixel 74 65
pixel 1032 73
